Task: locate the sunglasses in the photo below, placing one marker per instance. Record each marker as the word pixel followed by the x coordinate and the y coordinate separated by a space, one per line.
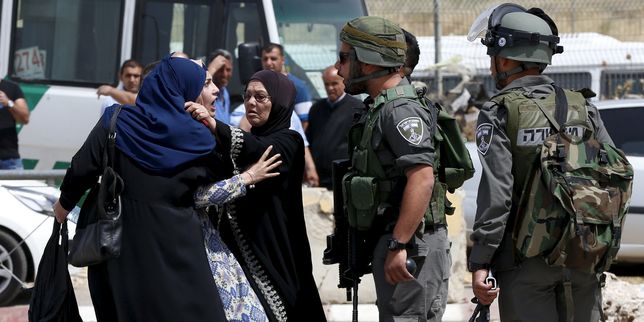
pixel 343 56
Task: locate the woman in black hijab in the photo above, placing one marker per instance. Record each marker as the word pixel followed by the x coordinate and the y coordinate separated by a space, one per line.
pixel 266 228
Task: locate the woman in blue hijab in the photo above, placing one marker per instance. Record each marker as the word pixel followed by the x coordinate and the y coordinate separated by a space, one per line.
pixel 162 273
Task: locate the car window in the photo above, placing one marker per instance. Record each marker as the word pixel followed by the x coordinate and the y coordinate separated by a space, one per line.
pixel 622 125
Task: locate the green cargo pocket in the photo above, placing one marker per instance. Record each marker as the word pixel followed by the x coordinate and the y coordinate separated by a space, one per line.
pixel 435 214
pixel 364 199
pixel 360 160
pixel 346 192
pixel 454 178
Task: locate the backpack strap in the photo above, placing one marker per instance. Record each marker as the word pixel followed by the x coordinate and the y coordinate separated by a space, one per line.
pixel 561 109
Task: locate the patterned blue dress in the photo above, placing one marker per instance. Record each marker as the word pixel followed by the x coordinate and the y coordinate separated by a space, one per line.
pixel 238 297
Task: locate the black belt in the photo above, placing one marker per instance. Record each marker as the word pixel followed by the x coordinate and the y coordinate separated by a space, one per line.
pixel 389 228
pixel 434 228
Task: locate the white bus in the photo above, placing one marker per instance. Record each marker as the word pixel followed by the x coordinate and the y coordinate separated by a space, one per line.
pixel 60 51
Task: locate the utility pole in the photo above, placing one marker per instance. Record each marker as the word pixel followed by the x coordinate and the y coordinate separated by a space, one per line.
pixel 573 11
pixel 437 48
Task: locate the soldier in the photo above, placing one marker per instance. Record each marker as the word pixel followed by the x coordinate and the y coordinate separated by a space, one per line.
pixel 391 181
pixel 520 44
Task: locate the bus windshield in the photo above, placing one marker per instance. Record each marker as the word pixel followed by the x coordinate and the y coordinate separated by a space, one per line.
pixel 308 30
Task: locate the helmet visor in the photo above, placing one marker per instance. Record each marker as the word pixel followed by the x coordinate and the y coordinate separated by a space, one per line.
pixel 496 12
pixel 480 24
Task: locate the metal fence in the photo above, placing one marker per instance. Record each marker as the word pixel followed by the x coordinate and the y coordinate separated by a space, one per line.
pixel 603 41
pixel 50 176
pixel 617 18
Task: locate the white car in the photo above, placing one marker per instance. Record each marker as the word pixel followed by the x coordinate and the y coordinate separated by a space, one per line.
pixel 621 118
pixel 26 222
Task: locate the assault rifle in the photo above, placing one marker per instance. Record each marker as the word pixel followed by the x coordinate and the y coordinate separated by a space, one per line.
pixel 348 247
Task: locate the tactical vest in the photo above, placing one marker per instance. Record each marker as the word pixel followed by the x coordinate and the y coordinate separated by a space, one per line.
pixel 367 187
pixel 527 128
pixel 571 191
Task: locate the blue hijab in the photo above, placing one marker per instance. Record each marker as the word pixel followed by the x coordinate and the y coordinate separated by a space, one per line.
pixel 157 133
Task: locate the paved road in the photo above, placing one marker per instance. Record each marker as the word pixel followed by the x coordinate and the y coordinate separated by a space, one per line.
pixel 335 313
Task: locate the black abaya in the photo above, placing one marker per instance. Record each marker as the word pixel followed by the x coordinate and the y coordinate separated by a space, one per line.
pixel 271 218
pixel 162 273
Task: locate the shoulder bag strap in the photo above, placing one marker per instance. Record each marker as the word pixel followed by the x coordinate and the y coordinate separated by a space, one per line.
pixel 111 139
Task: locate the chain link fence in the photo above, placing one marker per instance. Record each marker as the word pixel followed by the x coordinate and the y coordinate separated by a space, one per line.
pixel 618 18
pixel 603 42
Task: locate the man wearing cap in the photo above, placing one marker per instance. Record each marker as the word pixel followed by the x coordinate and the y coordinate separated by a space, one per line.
pixel 389 188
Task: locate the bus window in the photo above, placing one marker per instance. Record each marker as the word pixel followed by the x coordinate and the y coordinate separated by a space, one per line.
pixel 572 80
pixel 73 41
pixel 616 84
pixel 309 31
pixel 169 26
pixel 243 24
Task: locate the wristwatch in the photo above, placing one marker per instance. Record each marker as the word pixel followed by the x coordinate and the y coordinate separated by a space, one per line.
pixel 9 104
pixel 393 245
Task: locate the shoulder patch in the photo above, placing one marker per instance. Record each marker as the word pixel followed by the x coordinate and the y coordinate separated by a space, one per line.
pixel 484 134
pixel 411 129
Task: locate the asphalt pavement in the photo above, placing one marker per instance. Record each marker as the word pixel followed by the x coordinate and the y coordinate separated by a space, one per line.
pixel 457 312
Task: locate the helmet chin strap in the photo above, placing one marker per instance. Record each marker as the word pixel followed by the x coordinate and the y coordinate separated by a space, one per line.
pixel 502 76
pixel 354 70
pixel 373 75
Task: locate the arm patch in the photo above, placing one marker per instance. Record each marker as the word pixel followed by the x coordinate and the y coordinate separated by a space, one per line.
pixel 484 135
pixel 411 129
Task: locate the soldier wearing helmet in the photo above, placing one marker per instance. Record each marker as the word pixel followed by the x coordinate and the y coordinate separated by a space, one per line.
pixel 521 44
pixel 389 188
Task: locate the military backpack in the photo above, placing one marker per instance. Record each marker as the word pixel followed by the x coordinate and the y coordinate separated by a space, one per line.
pixel 576 194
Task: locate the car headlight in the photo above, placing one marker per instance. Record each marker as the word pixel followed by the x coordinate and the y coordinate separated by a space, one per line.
pixel 40 199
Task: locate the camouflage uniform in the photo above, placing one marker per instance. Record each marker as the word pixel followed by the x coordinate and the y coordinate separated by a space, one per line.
pixel 528 289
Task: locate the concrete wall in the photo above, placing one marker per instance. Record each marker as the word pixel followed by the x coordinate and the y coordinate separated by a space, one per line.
pixel 318 212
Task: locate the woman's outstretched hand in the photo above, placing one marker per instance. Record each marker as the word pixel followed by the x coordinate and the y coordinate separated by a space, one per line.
pixel 262 168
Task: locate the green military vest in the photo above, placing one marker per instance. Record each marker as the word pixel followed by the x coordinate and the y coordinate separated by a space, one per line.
pixel 527 128
pixel 367 187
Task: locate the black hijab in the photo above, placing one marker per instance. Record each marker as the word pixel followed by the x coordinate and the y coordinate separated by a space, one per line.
pixel 270 217
pixel 282 93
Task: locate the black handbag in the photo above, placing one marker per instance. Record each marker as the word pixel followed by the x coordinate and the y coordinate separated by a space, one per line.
pixel 98 231
pixel 53 298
